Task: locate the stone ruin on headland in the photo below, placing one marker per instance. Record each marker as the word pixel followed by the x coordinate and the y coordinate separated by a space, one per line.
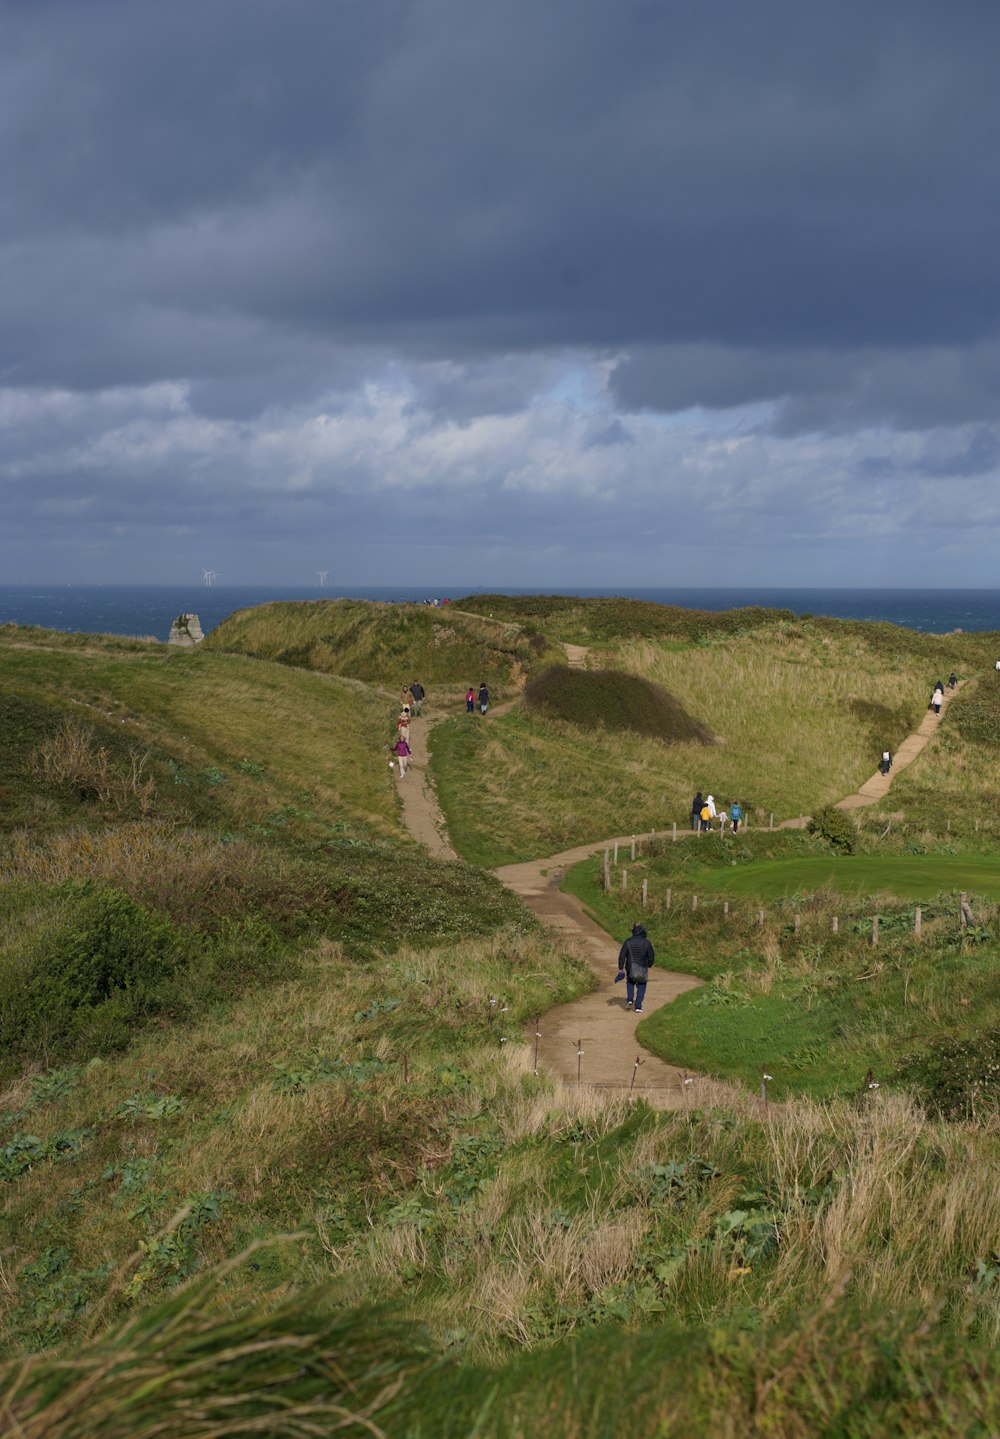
pixel 186 631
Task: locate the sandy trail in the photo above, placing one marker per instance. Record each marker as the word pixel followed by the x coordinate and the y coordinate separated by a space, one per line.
pixel 421 811
pixel 598 1023
pixel 879 785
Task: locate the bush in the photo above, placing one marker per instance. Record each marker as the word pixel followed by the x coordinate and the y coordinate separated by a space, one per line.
pixel 101 965
pixel 957 1078
pixel 73 759
pixel 614 700
pixel 836 827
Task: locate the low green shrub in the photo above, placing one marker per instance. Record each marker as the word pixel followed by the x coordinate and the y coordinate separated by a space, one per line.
pixel 614 700
pixel 957 1077
pixel 100 965
pixel 836 827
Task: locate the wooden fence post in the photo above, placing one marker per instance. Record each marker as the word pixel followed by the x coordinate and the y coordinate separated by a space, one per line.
pixel 644 884
pixel 771 825
pixel 669 896
pixel 760 918
pixel 725 908
pixel 616 851
pixel 875 929
pixel 836 924
pixel 675 831
pixel 694 902
pixel 917 918
pixel 624 880
pixel 633 849
pixel 607 873
pixel 964 909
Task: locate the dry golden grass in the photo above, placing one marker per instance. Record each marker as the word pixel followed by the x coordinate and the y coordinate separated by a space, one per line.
pixel 799 722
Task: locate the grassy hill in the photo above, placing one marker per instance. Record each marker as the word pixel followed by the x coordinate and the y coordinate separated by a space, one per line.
pixel 389 645
pixel 270 1134
pixel 800 712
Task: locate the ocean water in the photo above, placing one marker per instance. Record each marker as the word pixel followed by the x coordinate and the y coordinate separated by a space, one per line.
pixel 150 609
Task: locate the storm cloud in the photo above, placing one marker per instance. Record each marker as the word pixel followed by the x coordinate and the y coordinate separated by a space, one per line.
pixel 488 291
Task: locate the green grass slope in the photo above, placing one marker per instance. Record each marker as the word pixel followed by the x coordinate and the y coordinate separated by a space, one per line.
pixel 384 644
pixel 800 713
pixel 282 1019
pixel 817 1008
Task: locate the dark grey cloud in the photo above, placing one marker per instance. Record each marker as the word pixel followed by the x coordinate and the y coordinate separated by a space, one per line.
pixel 320 265
pixel 446 177
pixel 817 388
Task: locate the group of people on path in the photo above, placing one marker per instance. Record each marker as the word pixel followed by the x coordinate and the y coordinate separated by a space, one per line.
pixel 483 698
pixel 704 810
pixel 937 698
pixel 411 698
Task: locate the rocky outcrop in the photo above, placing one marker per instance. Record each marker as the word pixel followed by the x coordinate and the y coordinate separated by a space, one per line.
pixel 185 631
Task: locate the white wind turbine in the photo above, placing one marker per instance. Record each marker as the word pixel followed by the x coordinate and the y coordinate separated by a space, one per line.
pixel 322 577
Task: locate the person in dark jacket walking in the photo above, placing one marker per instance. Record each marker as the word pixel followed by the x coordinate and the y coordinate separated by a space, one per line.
pixel 696 805
pixel 636 959
pixel 484 699
pixel 417 691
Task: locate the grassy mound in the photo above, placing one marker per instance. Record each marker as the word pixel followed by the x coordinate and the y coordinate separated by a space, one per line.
pixel 383 644
pixel 975 712
pixel 572 618
pixel 800 717
pixel 614 699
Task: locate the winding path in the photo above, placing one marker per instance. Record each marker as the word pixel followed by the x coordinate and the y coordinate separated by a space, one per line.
pixel 878 786
pixel 598 1023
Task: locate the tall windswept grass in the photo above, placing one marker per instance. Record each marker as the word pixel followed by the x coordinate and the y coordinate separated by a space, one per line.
pixel 191 1366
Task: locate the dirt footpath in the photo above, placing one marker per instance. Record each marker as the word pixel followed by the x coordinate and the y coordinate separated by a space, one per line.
pixel 598 1023
pixel 878 786
pixel 421 811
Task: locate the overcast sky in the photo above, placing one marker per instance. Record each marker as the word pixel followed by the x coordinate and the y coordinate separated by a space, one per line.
pixel 474 292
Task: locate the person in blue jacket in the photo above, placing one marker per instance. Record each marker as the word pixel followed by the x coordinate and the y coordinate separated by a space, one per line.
pixel 736 815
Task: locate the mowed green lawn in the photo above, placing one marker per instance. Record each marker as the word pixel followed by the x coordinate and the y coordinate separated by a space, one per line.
pixel 913 876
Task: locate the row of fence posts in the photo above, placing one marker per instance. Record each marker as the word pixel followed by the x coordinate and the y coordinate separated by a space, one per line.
pixel 964 908
pixel 744 828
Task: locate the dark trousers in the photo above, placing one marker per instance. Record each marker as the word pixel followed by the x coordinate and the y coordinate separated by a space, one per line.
pixel 635 991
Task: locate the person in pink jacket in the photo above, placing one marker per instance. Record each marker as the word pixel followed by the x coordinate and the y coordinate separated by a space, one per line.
pixel 402 752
